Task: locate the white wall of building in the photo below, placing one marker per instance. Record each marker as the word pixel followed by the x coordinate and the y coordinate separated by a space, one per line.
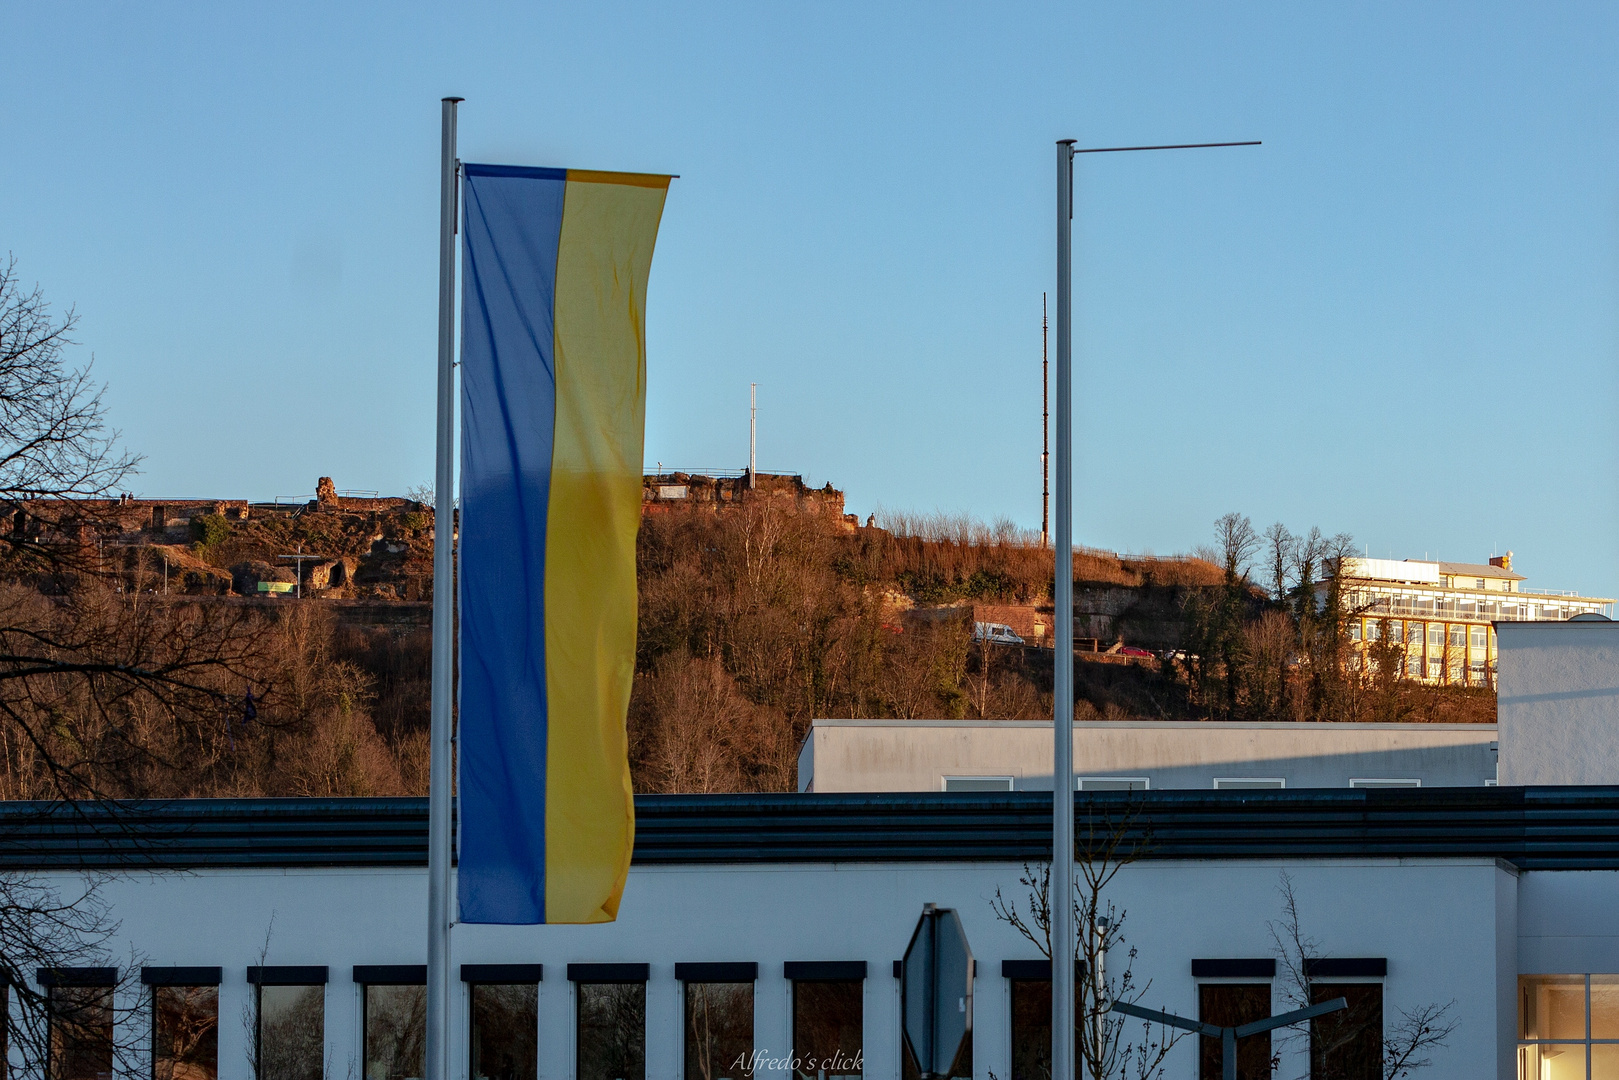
pixel 915 755
pixel 1440 923
pixel 1557 702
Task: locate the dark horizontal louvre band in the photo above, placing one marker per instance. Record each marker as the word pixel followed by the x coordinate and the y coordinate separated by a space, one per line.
pixel 502 973
pixel 734 973
pixel 1026 969
pixel 391 974
pixel 78 976
pixel 308 975
pixel 1539 828
pixel 824 970
pixel 609 973
pixel 1350 967
pixel 182 976
pixel 1236 968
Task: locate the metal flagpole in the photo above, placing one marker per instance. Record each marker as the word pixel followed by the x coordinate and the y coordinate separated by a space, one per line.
pixel 1062 658
pixel 441 774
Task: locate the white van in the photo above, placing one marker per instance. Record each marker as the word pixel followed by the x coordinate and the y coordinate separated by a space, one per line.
pixel 997 633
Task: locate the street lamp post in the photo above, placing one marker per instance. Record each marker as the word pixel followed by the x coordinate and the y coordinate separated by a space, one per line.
pixel 1062 775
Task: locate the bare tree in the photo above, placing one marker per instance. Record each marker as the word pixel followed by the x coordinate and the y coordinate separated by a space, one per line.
pixel 1402 1047
pixel 46 934
pixel 1107 1047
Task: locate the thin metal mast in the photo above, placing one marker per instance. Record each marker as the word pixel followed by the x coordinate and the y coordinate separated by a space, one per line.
pixel 1062 773
pixel 440 777
pixel 1045 430
pixel 753 434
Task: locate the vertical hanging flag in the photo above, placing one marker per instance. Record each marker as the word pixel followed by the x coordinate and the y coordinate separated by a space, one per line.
pixel 553 407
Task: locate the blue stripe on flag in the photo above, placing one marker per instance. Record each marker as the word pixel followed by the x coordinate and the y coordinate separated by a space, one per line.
pixel 512 222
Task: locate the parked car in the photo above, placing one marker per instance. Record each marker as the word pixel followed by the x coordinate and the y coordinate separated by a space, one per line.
pixel 996 633
pixel 1132 650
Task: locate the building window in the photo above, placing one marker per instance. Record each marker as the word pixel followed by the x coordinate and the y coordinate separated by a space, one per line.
pixel 1414 667
pixel 1568 1026
pixel 1436 670
pixel 1458 635
pixel 291 1033
pixel 1354 630
pixel 1397 632
pixel 1436 635
pixel 1112 783
pixel 612 1031
pixel 1232 1005
pixel 81 1039
pixel 1248 782
pixel 828 1027
pixel 978 783
pixel 1031 1029
pixel 1481 638
pixel 185 1032
pixel 719 1020
pixel 395 1031
pixel 1348 1044
pixel 504 1039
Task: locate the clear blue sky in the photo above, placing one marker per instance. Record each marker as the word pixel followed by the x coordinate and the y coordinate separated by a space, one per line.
pixel 1396 319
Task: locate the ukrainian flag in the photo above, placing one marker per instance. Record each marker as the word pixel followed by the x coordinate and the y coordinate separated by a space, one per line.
pixel 553 406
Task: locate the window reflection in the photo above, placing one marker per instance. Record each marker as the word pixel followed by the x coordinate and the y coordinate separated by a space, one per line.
pixel 719 1030
pixel 292 1032
pixel 828 1028
pixel 185 1032
pixel 395 1032
pixel 505 1031
pixel 80 1033
pixel 1232 1005
pixel 612 1031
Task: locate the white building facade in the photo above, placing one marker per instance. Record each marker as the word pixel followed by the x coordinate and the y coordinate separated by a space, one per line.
pixel 790 911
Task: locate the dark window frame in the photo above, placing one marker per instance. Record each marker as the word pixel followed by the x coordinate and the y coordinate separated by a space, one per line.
pixel 698 974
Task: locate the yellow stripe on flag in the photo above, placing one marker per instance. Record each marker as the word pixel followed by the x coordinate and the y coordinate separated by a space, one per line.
pixel 609 226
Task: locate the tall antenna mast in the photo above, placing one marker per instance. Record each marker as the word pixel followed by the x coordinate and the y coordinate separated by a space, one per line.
pixel 1045 431
pixel 753 435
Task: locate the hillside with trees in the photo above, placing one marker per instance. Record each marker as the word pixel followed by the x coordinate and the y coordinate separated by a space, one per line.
pixel 161 650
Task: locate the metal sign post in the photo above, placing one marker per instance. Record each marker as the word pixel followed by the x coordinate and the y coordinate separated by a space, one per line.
pixel 936 992
pixel 1228 1036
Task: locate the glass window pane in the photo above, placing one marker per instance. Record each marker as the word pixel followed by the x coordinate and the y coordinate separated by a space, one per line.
pixel 1031 1029
pixel 1551 1007
pixel 719 1030
pixel 828 1028
pixel 612 1031
pixel 395 1032
pixel 1348 1044
pixel 292 1032
pixel 80 1033
pixel 1604 1061
pixel 1230 1005
pixel 185 1032
pixel 1605 1006
pixel 505 1032
pixel 1552 1061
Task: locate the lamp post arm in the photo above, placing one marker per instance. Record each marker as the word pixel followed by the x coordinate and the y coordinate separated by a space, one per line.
pixel 1168 1019
pixel 1273 1022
